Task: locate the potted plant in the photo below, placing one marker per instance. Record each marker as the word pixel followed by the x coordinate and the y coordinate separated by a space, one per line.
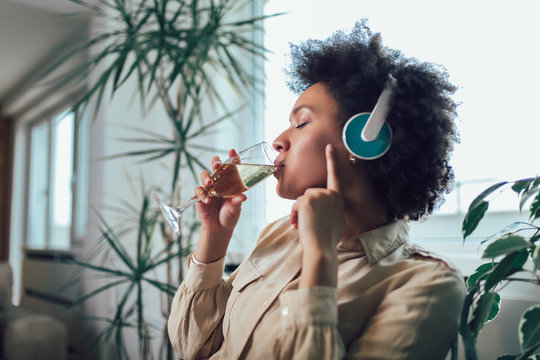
pixel 174 49
pixel 515 249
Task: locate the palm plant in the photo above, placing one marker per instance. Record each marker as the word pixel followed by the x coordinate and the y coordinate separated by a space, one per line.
pixel 129 274
pixel 174 49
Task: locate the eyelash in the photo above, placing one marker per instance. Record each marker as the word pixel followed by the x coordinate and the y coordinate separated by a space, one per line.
pixel 302 124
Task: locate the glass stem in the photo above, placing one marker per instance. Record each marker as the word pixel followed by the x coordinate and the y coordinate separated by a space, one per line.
pixel 173 214
pixel 188 203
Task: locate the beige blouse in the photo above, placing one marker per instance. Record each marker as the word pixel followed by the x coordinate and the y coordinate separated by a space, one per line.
pixel 394 301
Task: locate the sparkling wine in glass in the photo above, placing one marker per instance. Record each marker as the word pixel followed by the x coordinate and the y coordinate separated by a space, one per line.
pixel 236 175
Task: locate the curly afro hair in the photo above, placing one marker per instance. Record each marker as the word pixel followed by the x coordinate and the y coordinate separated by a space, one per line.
pixel 355 67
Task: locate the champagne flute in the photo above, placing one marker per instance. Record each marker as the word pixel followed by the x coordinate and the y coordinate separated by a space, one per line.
pixel 235 175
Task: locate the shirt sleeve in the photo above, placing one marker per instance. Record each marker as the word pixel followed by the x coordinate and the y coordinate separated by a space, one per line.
pixel 309 325
pixel 197 309
pixel 418 320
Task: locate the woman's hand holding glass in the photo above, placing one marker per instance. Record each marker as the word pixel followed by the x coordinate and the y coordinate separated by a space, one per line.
pixel 218 217
pixel 239 173
pixel 217 214
pixel 220 197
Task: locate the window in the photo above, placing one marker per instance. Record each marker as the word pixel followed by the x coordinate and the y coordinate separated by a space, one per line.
pixel 56 206
pixel 490 50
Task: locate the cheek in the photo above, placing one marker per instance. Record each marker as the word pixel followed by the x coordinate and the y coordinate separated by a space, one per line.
pixel 315 146
pixel 306 169
pixel 310 152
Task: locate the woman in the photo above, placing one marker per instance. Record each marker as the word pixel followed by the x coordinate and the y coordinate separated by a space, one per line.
pixel 337 278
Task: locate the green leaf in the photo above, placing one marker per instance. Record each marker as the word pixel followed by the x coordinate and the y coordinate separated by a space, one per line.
pixel 480 273
pixel 119 63
pixel 529 328
pixel 522 185
pixel 486 193
pixel 527 195
pixel 179 253
pixel 483 311
pixel 164 287
pixel 534 210
pixel 473 217
pixel 495 308
pixel 99 290
pixel 536 257
pixel 506 244
pixel 514 227
pixel 509 265
pixel 99 268
pixel 477 209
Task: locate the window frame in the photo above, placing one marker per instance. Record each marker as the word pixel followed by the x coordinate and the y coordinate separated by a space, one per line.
pixel 79 185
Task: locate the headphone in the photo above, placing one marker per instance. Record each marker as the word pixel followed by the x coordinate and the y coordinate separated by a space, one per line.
pixel 367 135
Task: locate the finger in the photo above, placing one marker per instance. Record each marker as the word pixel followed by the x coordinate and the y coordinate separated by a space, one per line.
pixel 238 199
pixel 233 156
pixel 200 193
pixel 294 216
pixel 332 181
pixel 216 163
pixel 206 179
pixel 233 209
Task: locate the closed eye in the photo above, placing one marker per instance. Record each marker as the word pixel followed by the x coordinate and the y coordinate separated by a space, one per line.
pixel 300 125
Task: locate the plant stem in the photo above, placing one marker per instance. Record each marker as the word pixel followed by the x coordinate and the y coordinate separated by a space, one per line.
pixel 469 342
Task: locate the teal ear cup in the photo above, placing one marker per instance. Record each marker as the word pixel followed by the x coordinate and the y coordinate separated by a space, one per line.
pixel 357 144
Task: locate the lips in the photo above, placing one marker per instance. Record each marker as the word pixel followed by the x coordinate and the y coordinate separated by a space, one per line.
pixel 279 165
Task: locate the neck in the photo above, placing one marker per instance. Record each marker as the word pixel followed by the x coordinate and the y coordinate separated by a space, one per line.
pixel 358 222
pixel 363 211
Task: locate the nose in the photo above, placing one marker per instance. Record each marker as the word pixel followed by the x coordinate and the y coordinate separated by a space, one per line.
pixel 281 144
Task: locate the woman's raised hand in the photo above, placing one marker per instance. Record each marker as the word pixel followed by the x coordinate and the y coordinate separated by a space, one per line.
pixel 319 217
pixel 218 216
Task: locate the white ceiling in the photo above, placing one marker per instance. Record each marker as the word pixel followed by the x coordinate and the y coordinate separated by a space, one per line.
pixel 29 31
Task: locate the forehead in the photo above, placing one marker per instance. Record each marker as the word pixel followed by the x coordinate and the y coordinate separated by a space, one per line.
pixel 317 98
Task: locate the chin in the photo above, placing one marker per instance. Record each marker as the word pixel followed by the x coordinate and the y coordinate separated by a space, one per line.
pixel 285 195
pixel 288 193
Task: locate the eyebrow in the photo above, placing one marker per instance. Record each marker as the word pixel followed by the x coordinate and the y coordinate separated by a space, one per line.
pixel 298 108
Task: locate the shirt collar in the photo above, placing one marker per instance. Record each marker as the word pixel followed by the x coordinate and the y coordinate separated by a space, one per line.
pixel 378 243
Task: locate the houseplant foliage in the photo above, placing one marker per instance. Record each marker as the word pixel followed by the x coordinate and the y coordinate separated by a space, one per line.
pixel 514 254
pixel 132 275
pixel 174 50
